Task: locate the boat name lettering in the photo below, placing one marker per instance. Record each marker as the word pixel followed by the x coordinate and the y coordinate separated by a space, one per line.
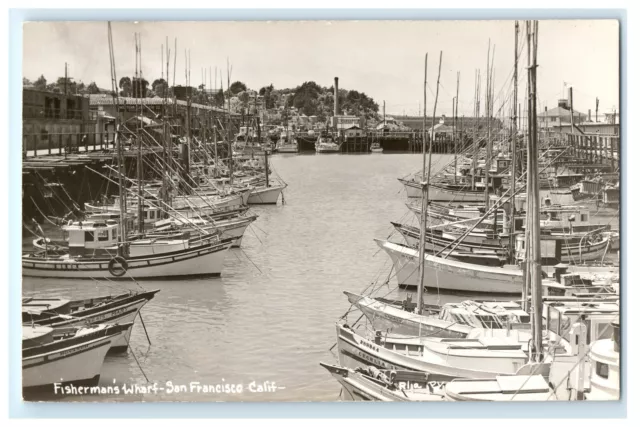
pixel 72 351
pixel 369 345
pixel 376 361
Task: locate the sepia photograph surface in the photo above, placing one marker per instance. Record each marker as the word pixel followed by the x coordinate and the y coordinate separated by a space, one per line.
pixel 290 211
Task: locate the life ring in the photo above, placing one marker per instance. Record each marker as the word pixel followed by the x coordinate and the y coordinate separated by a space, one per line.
pixel 118 266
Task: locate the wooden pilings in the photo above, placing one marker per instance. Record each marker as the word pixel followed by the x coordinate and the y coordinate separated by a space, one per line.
pixel 595 148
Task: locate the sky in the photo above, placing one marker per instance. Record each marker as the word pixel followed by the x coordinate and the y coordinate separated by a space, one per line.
pixel 384 59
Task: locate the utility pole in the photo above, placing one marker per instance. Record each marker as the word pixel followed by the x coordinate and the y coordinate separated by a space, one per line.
pixel 65 78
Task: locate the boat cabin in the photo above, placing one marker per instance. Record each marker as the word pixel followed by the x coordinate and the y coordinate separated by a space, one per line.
pixel 605 368
pixel 597 316
pixel 485 314
pixel 566 180
pixel 558 217
pixel 90 235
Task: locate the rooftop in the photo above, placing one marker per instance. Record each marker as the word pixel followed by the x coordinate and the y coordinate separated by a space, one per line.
pixel 104 99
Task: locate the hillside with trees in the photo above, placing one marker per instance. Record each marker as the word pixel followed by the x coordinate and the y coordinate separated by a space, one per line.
pixel 308 98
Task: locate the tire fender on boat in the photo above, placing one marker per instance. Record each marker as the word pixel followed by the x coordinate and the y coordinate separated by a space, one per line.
pixel 118 266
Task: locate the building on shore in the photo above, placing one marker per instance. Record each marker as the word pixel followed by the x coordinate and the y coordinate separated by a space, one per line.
pixel 51 119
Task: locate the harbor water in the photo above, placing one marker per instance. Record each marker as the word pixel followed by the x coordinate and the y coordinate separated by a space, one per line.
pixel 270 319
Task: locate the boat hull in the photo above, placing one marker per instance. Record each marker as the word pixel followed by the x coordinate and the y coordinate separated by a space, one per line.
pixel 442 194
pixel 266 195
pixel 355 351
pixel 201 261
pixel 80 362
pixel 451 275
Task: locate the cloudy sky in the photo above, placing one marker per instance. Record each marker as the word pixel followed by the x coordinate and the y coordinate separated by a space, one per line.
pixel 383 59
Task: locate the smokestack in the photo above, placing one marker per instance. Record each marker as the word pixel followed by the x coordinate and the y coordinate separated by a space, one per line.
pixel 589 114
pixel 335 96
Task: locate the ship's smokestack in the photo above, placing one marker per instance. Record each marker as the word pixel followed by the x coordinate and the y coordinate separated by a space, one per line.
pixel 335 96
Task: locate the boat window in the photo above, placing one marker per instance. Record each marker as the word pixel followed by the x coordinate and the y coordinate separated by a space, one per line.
pixel 584 217
pixel 103 235
pixel 602 370
pixel 88 236
pixel 603 331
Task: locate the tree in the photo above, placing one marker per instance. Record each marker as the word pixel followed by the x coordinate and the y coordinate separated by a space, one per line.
pixel 305 98
pixel 93 88
pixel 41 83
pixel 69 87
pixel 237 87
pixel 26 82
pixel 218 99
pixel 139 86
pixel 159 86
pixel 125 85
pixel 269 99
pixel 243 97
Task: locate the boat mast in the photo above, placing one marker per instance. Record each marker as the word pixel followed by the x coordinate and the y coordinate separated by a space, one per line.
pixel 138 137
pixel 425 181
pixel 455 135
pixel 488 143
pixel 122 250
pixel 186 158
pixel 533 195
pixel 165 154
pixel 514 151
pixel 229 123
pixel 475 132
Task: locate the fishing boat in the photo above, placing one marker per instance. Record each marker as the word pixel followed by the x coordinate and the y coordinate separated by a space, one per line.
pixel 444 192
pixel 60 314
pixel 502 388
pixel 452 320
pixel 438 356
pixel 75 359
pixel 372 384
pixel 484 249
pixel 325 144
pixel 286 144
pixel 203 257
pixel 448 274
pixel 232 228
pixel 376 148
pixel 267 195
pixel 604 356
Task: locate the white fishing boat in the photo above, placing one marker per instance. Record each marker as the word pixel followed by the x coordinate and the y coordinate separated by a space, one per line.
pixel 442 192
pixel 448 274
pixel 229 228
pixel 502 388
pixel 286 143
pixel 326 144
pixel 61 314
pixel 76 359
pixel 376 148
pixel 452 320
pixel 205 258
pixel 266 195
pixel 446 358
pixel 444 273
pixel 604 356
pixel 372 384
